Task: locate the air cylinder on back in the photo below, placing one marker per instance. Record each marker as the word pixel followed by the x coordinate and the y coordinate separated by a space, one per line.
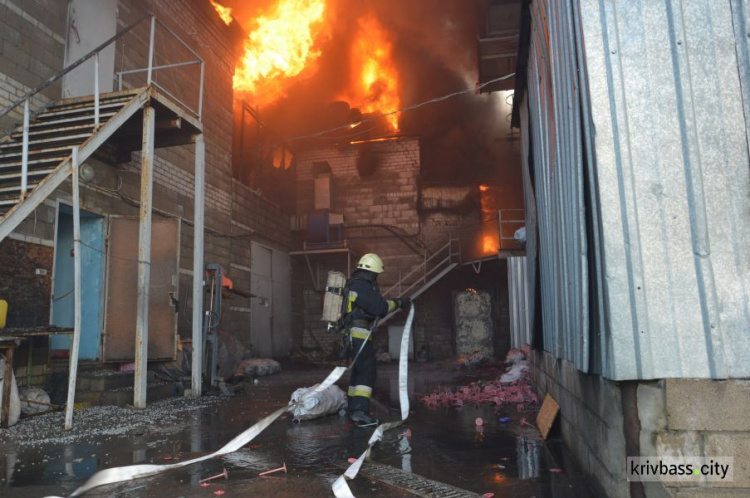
pixel 334 296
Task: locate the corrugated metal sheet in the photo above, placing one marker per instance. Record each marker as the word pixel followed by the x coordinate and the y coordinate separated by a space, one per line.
pixel 557 156
pixel 518 292
pixel 672 178
pixel 640 184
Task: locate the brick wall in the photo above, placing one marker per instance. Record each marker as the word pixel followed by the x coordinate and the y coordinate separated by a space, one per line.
pixel 387 197
pixel 234 215
pixel 32 46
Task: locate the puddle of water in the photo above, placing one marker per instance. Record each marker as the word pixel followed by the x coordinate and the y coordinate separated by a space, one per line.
pixel 445 445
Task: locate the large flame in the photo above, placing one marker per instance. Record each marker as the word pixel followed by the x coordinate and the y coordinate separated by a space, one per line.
pixel 374 76
pixel 224 12
pixel 280 48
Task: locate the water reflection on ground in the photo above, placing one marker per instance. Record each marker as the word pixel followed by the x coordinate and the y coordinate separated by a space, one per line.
pixel 441 444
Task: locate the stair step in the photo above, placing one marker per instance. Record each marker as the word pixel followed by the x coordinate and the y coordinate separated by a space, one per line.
pixel 89 102
pixel 18 135
pixel 37 173
pixel 47 124
pixel 46 116
pixel 77 139
pixel 12 201
pixel 16 167
pixel 17 188
pixel 34 154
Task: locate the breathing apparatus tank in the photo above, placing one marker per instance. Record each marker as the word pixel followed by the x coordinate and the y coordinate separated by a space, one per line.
pixel 334 297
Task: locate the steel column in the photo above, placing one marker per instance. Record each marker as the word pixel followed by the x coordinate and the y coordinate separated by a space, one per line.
pixel 197 359
pixel 144 257
pixel 96 90
pixel 74 348
pixel 25 149
pixel 151 49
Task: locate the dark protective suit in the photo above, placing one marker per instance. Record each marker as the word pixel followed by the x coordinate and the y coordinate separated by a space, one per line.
pixel 365 304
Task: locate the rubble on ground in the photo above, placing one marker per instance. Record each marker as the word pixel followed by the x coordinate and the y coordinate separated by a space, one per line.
pixel 257 367
pixel 512 387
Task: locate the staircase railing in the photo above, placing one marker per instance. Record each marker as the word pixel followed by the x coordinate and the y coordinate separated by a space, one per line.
pixel 149 70
pixel 427 269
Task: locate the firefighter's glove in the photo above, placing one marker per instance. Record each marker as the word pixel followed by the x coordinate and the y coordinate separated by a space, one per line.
pixel 403 303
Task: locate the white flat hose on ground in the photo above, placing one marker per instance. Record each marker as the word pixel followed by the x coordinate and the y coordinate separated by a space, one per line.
pixel 340 488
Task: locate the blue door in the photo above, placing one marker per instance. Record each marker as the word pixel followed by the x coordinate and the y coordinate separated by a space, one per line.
pixel 92 282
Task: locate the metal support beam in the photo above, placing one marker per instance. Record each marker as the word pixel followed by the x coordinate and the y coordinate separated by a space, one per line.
pixel 151 50
pixel 197 359
pixel 25 149
pixel 144 257
pixel 96 90
pixel 75 346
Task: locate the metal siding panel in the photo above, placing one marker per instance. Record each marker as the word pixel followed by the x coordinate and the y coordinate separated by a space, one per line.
pixel 554 98
pixel 518 292
pixel 672 177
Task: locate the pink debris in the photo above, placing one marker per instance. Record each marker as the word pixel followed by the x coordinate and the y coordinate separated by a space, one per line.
pixel 219 492
pixel 204 484
pixel 487 392
pixel 352 460
pixel 479 421
pixel 407 433
pixel 488 495
pixel 555 470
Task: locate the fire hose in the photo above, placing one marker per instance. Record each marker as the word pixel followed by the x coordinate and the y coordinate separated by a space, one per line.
pixel 340 487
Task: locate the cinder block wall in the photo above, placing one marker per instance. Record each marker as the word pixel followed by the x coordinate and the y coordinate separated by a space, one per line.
pixel 591 420
pixel 698 417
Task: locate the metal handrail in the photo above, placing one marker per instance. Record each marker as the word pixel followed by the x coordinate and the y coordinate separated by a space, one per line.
pixel 422 267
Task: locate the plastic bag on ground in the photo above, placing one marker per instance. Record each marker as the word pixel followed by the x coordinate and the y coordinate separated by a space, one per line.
pixel 514 356
pixel 520 235
pixel 324 403
pixel 15 401
pixel 515 373
pixel 34 394
pixel 257 367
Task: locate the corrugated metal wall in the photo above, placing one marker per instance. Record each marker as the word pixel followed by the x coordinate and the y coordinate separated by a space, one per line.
pixel 656 150
pixel 557 151
pixel 518 295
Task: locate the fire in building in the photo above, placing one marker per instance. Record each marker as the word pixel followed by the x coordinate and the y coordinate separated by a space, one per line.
pixel 376 248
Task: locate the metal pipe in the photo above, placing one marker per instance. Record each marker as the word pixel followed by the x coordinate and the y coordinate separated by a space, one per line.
pixel 144 257
pixel 96 90
pixel 25 150
pixel 197 374
pixel 151 49
pixel 74 348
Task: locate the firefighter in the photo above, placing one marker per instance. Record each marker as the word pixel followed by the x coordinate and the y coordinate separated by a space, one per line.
pixel 365 303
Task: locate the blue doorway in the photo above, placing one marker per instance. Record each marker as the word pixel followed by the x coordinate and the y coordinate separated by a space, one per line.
pixel 92 283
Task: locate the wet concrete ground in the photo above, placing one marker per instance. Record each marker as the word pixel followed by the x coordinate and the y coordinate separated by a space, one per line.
pixel 37 458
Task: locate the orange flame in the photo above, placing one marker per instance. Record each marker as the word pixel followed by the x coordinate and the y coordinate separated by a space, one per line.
pixel 224 12
pixel 374 72
pixel 280 48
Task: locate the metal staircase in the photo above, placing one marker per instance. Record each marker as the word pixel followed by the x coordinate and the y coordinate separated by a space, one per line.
pixel 426 273
pixel 27 179
pixel 50 146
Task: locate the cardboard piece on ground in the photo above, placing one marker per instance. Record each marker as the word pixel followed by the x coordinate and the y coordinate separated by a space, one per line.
pixel 547 415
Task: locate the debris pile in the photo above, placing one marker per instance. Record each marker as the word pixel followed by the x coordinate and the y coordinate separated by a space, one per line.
pixel 257 367
pixel 513 387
